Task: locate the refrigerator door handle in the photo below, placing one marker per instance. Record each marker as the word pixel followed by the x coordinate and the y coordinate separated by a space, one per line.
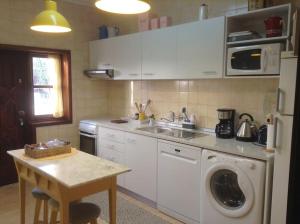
pixel 278 100
pixel 275 133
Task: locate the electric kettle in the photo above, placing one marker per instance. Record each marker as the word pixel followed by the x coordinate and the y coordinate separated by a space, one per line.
pixel 247 131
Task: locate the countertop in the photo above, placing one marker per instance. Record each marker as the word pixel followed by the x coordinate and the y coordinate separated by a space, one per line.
pixel 210 141
pixel 73 169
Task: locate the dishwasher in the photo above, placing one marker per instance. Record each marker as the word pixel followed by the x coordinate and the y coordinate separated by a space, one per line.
pixel 178 192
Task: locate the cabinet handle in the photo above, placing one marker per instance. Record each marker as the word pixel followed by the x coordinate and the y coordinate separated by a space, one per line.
pixel 209 72
pixel 132 74
pixel 111 146
pixel 129 140
pixel 177 150
pixel 211 157
pixel 148 74
pixel 110 135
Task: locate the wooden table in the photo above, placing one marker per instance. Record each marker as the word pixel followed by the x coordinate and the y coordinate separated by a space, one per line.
pixel 67 178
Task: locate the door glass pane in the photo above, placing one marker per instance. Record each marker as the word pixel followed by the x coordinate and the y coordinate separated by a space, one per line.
pixel 43 101
pixel 40 68
pixel 225 189
pixel 246 60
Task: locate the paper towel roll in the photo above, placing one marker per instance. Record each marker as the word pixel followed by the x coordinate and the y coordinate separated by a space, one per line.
pixel 270 137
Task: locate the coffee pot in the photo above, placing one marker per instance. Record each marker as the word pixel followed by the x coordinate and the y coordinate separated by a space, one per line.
pixel 247 131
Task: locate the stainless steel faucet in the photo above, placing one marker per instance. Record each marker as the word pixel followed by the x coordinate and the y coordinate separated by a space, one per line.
pixel 171 117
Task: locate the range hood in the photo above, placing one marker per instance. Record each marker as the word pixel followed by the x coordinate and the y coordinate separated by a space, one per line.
pixel 99 73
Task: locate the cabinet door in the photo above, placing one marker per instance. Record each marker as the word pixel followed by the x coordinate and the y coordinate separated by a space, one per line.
pixel 115 157
pixel 159 53
pixel 200 49
pixel 101 53
pixel 141 158
pixel 128 57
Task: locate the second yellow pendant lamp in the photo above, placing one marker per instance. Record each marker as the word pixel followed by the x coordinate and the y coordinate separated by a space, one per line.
pixel 50 20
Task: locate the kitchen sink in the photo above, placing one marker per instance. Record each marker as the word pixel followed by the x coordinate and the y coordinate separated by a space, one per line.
pixel 172 132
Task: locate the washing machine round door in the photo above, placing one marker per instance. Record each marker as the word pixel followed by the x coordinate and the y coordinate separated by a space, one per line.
pixel 229 189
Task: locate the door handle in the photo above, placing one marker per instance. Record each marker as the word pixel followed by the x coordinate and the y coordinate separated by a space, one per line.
pixel 21 114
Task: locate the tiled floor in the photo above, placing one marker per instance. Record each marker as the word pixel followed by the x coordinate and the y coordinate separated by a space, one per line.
pixel 9 206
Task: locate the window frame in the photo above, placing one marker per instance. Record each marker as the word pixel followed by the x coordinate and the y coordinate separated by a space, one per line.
pixel 48 120
pixel 45 116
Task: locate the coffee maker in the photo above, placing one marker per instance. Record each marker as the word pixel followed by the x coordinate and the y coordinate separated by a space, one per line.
pixel 225 128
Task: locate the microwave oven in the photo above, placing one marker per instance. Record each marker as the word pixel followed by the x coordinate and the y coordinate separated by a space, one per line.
pixel 263 59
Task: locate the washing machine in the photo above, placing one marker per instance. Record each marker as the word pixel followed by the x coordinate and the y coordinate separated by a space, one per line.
pixel 232 189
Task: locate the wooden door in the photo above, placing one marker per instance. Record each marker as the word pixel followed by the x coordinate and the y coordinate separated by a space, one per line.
pixel 13 102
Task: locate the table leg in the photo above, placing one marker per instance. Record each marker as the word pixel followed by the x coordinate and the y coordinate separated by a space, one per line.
pixel 64 212
pixel 113 201
pixel 22 193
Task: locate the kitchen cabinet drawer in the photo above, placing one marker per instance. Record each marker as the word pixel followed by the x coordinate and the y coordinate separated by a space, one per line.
pixel 116 157
pixel 116 146
pixel 111 134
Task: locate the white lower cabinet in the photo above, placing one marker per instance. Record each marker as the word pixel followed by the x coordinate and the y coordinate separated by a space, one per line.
pixel 178 182
pixel 116 157
pixel 162 171
pixel 141 158
pixel 111 146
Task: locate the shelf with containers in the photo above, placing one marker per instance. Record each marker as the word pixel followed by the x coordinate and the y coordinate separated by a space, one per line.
pixel 255 21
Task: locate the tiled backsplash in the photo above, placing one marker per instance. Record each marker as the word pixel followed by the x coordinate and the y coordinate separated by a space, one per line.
pixel 201 97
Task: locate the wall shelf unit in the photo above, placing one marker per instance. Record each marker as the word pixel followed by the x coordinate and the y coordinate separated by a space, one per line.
pixel 254 21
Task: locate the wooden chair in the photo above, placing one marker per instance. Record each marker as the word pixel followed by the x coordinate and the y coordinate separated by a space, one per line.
pixel 40 198
pixel 80 212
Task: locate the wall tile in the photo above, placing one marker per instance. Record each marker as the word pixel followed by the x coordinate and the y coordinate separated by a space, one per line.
pixel 201 97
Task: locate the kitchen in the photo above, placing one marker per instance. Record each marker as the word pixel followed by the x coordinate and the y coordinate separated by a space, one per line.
pixel 201 94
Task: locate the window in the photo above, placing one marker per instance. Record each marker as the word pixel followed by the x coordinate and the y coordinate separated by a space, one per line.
pixel 47 91
pixel 51 88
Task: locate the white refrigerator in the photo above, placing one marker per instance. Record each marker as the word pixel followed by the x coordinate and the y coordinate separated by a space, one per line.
pixel 283 138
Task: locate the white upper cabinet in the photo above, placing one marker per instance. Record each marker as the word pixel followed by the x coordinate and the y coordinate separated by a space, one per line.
pixel 188 51
pixel 159 53
pixel 128 57
pixel 101 53
pixel 200 49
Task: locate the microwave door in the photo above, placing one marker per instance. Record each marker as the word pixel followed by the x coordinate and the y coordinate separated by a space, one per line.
pixel 248 61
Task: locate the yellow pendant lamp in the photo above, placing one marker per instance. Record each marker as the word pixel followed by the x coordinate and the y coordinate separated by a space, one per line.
pixel 50 21
pixel 123 6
